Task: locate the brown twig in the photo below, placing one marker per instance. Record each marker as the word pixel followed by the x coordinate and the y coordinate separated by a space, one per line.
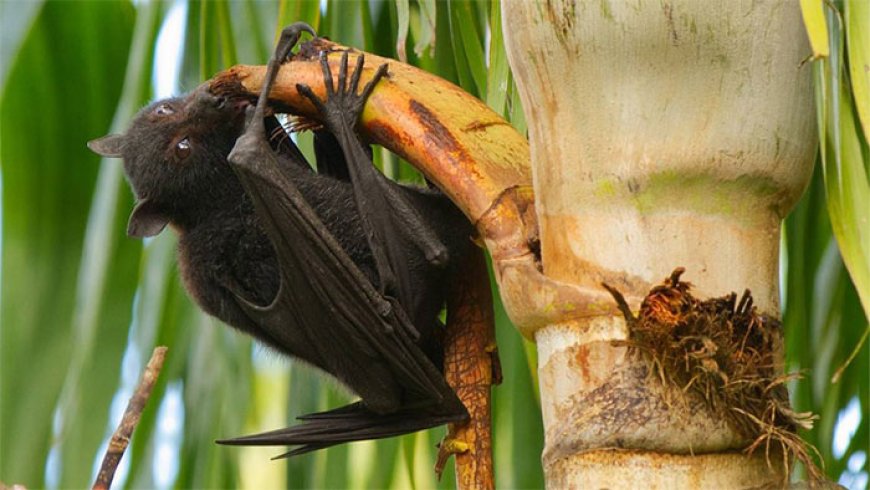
pixel 121 437
pixel 471 368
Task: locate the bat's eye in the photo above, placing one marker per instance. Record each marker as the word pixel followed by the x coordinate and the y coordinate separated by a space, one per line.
pixel 182 149
pixel 164 110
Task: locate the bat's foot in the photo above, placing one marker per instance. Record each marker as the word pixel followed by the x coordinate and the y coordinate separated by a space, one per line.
pixel 343 106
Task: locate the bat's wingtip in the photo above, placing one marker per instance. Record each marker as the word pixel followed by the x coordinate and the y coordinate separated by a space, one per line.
pixel 239 441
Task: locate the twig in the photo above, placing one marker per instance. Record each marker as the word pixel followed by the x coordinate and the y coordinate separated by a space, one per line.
pixel 836 377
pixel 471 368
pixel 121 437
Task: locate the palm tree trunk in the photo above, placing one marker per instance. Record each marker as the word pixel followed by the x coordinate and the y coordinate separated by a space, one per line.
pixel 663 134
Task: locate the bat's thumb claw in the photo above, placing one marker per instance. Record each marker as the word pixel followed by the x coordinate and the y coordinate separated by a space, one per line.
pixel 300 27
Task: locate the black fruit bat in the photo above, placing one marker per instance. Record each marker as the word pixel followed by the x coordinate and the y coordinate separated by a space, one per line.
pixel 341 268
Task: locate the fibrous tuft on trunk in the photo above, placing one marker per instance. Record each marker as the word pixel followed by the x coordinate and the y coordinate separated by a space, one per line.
pixel 724 350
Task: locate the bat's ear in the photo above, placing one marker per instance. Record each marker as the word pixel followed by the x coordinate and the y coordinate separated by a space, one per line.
pixel 108 146
pixel 147 219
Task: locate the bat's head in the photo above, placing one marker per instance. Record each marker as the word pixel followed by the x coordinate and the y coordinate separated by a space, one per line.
pixel 175 158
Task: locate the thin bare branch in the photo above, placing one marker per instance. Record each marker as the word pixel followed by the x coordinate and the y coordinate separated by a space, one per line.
pixel 121 437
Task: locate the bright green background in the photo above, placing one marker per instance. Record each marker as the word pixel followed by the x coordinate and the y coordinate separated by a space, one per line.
pixel 78 296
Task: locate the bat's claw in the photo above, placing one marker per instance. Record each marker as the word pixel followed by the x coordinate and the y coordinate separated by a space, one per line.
pixel 289 38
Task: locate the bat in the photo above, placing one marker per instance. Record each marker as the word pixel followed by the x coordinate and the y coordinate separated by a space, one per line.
pixel 340 267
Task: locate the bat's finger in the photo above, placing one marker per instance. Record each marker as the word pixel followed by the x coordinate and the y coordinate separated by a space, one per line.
pixel 306 91
pixel 342 73
pixel 354 80
pixel 367 91
pixel 327 74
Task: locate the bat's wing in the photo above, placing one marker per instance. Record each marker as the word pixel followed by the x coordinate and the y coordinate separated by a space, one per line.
pixel 330 158
pixel 327 313
pixel 326 310
pixel 350 423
